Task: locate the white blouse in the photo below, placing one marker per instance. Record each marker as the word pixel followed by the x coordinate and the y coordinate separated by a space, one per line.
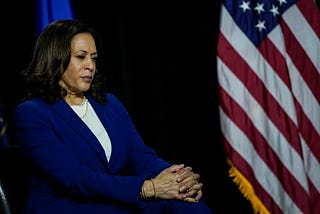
pixel 90 118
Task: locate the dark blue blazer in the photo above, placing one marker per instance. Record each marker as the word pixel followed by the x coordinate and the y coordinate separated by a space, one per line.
pixel 69 172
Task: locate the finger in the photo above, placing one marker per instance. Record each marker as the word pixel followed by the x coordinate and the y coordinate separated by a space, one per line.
pixel 187 169
pixel 176 167
pixel 187 173
pixel 195 194
pixel 189 183
pixel 193 190
pixel 198 195
pixel 190 199
pixel 185 186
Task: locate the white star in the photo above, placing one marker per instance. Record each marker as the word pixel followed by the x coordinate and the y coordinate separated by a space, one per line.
pixel 260 25
pixel 245 6
pixel 259 8
pixel 282 1
pixel 274 10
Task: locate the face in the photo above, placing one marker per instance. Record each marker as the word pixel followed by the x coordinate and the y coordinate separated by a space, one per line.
pixel 82 67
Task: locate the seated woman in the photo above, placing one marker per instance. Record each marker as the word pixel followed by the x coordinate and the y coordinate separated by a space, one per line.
pixel 83 152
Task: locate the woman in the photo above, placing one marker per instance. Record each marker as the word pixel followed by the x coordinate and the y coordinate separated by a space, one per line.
pixel 83 152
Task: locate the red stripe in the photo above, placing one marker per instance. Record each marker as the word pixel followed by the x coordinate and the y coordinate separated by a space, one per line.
pixel 240 118
pixel 315 198
pixel 311 13
pixel 308 132
pixel 275 59
pixel 302 61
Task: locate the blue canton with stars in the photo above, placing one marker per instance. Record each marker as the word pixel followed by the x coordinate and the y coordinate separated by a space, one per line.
pixel 257 18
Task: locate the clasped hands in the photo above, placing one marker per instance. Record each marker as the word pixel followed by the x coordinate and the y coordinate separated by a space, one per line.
pixel 175 182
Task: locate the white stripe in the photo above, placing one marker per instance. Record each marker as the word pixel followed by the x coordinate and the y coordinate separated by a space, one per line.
pixel 312 166
pixel 303 32
pixel 288 156
pixel 239 142
pixel 264 71
pixel 304 96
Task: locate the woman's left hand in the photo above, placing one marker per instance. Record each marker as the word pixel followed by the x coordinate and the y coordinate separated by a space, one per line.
pixel 189 185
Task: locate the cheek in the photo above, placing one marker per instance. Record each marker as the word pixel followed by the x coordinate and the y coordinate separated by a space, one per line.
pixel 68 76
pixel 72 71
pixel 74 66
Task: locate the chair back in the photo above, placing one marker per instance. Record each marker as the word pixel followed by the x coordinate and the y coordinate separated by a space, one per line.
pixel 13 181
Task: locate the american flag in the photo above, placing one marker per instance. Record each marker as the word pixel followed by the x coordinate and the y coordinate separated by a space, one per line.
pixel 268 62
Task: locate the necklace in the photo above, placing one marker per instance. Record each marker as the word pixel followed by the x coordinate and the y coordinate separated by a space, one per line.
pixel 82 109
pixel 86 108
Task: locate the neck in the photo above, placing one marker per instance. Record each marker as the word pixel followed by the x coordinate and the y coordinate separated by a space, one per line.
pixel 75 100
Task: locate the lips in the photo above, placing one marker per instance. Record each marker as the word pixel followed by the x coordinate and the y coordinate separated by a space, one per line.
pixel 87 79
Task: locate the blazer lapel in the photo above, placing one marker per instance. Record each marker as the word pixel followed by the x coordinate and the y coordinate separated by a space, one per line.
pixel 106 119
pixel 66 112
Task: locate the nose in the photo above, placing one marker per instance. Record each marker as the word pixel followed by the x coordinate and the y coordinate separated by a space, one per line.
pixel 90 65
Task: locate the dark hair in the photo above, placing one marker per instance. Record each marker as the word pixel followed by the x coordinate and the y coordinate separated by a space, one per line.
pixel 50 59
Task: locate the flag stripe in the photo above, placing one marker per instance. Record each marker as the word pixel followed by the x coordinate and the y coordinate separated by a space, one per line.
pixel 311 14
pixel 301 60
pixel 275 59
pixel 300 28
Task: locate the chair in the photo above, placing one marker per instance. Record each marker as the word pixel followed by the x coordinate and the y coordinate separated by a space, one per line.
pixel 13 181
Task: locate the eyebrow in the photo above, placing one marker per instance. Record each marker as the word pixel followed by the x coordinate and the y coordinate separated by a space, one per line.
pixel 83 51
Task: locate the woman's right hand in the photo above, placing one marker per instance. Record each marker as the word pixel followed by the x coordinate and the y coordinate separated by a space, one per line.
pixel 169 184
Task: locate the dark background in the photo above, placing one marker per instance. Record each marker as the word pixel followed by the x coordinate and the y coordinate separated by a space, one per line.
pixel 159 58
